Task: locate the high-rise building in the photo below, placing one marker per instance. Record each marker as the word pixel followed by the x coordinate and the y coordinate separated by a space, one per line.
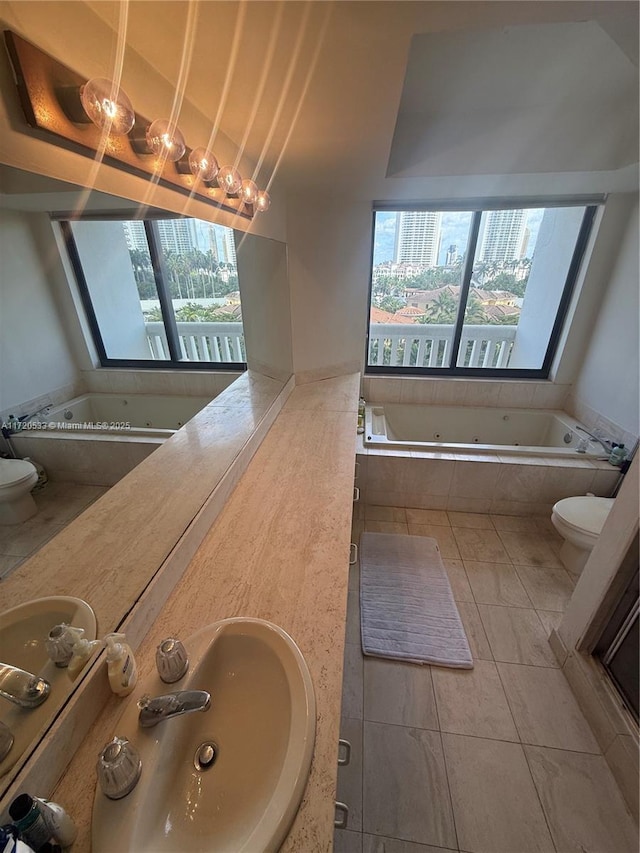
pixel 134 235
pixel 501 236
pixel 418 237
pixel 228 255
pixel 451 256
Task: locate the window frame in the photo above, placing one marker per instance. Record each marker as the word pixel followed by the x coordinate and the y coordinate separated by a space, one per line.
pixel 477 207
pixel 164 297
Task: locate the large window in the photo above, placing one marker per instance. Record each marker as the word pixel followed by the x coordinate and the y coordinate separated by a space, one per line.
pixel 159 293
pixel 475 292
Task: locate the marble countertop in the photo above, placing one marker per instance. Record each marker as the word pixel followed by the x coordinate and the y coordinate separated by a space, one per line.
pixel 279 550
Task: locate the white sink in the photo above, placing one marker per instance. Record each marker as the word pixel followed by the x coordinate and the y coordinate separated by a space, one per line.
pixel 262 720
pixel 23 632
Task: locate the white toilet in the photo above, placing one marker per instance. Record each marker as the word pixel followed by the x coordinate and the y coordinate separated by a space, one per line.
pixel 579 521
pixel 17 478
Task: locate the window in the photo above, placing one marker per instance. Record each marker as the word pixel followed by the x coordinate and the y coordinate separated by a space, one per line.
pixel 160 292
pixel 473 292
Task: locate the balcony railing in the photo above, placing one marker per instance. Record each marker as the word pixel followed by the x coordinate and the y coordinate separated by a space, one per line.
pixel 217 342
pixel 429 345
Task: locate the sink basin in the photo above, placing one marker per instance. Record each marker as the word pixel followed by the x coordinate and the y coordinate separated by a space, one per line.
pixel 262 722
pixel 23 631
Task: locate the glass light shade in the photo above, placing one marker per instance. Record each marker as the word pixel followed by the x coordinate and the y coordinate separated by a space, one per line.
pixel 108 108
pixel 248 192
pixel 263 201
pixel 203 164
pixel 165 140
pixel 229 180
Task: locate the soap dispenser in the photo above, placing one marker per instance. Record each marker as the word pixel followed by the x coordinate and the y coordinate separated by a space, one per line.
pixel 81 652
pixel 121 665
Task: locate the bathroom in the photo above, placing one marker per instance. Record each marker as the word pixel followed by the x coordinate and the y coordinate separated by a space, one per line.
pixel 322 209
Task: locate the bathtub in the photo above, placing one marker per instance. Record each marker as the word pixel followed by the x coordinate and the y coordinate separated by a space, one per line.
pixel 99 438
pixel 462 429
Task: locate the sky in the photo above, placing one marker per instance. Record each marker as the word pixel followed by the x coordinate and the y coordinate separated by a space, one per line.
pixel 455 230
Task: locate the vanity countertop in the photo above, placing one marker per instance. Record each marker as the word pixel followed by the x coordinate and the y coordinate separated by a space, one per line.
pixel 279 550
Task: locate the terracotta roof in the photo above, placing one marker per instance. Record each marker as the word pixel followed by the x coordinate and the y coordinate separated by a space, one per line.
pixel 380 316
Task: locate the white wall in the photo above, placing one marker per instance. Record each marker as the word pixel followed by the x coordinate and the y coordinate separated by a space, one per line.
pixel 329 243
pixel 107 268
pixel 608 379
pixel 35 357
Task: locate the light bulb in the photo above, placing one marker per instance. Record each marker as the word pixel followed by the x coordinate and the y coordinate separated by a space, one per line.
pixel 248 192
pixel 203 164
pixel 229 180
pixel 165 140
pixel 263 201
pixel 108 108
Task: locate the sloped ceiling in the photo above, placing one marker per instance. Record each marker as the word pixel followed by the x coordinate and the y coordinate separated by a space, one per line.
pixel 545 98
pixel 332 94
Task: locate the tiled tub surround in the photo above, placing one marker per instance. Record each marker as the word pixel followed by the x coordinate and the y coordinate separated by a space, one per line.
pixel 279 551
pixel 498 759
pixel 498 483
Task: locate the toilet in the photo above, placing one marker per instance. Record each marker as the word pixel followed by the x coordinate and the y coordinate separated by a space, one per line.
pixel 17 478
pixel 579 521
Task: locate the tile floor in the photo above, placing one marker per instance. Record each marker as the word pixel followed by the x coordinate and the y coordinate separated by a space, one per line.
pixel 58 504
pixel 498 759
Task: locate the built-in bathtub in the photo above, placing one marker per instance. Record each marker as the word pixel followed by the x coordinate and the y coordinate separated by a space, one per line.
pixel 464 429
pixel 99 438
pixel 477 459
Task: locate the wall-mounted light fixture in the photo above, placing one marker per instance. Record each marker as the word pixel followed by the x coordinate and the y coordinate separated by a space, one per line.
pixel 68 110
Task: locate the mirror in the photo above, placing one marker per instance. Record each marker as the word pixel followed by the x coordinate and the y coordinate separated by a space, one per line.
pixel 164 475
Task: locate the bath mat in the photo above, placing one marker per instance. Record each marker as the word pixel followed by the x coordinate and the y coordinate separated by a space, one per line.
pixel 406 602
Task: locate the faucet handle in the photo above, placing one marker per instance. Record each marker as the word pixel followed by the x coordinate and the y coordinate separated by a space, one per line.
pixel 171 660
pixel 119 767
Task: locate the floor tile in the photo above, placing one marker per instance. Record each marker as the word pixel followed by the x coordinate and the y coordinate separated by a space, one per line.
pixel 496 583
pixel 405 785
pixel 381 844
pixel 352 681
pixel 514 523
pixel 494 800
pixel 353 617
pixel 345 841
pixel 60 503
pixel 544 708
pixel 548 589
pixel 8 564
pixel 474 629
pixel 477 520
pixel 385 527
pixel 442 535
pixel 458 580
pixel 550 620
pixel 399 693
pixel 384 513
pixel 481 545
pixel 473 702
pixel 516 635
pixel 354 577
pixel 584 808
pixel 20 540
pixel 349 788
pixel 530 549
pixel 428 516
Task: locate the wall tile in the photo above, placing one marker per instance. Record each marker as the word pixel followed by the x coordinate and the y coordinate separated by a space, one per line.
pixel 474 479
pixel 480 393
pixel 565 483
pixel 516 395
pixel 421 391
pixel 383 390
pixel 548 395
pixel 450 392
pixel 604 482
pixel 520 482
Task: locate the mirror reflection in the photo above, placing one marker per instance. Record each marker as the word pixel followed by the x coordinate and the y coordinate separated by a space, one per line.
pixel 125 386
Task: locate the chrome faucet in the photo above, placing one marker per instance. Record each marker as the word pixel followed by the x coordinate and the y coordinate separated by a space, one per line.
pixel 22 688
pixel 594 436
pixel 154 711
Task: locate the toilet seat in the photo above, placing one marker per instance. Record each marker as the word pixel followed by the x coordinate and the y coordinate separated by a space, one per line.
pixel 584 514
pixel 15 471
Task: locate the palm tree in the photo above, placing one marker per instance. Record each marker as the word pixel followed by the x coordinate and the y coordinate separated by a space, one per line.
pixel 443 309
pixel 475 313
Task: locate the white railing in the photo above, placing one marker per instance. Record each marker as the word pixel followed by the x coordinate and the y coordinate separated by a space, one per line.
pixel 429 345
pixel 199 341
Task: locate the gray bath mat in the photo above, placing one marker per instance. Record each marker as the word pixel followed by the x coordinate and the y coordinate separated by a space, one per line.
pixel 407 606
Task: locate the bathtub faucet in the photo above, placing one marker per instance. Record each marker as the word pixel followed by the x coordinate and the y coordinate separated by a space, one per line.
pixel 597 436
